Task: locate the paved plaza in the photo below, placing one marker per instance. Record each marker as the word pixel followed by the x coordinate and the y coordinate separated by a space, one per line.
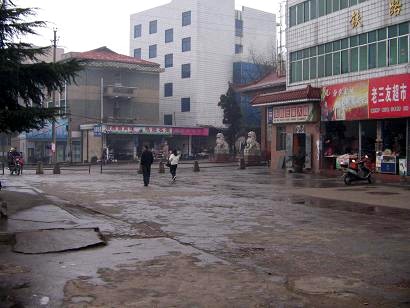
pixel 221 237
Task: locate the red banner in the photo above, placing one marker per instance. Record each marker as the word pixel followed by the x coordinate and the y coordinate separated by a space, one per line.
pixel 388 97
pixel 293 113
pixel 346 101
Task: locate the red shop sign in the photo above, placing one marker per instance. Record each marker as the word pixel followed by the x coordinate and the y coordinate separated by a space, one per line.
pixel 389 97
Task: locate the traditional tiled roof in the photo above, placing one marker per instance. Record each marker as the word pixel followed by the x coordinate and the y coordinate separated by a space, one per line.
pixel 269 81
pixel 107 55
pixel 285 97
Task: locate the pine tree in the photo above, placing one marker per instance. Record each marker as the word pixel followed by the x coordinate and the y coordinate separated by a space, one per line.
pixel 24 81
pixel 232 114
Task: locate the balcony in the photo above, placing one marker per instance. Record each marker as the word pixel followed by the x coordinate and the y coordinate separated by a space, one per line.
pixel 117 91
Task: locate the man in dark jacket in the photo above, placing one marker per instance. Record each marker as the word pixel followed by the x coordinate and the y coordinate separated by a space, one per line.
pixel 146 161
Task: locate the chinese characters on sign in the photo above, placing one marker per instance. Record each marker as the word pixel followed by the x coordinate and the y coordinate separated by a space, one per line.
pixel 395 7
pixel 378 98
pixel 346 101
pixel 356 19
pixel 136 130
pixel 292 113
pixel 150 130
pixel 388 97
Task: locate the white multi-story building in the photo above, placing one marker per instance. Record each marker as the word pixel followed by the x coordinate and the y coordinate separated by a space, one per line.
pixel 197 42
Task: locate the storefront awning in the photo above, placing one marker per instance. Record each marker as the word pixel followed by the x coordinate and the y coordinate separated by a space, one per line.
pixel 308 94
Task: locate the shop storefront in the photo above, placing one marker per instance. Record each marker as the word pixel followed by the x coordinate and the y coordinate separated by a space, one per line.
pixel 367 117
pixel 294 119
pixel 126 142
pixel 37 144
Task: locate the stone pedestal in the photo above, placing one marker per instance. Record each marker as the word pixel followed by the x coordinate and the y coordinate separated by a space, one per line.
pixel 196 166
pixel 252 160
pixel 57 169
pixel 161 168
pixel 242 164
pixel 39 169
pixel 222 158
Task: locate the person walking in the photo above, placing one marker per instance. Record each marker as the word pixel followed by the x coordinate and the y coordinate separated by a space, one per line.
pixel 173 160
pixel 146 161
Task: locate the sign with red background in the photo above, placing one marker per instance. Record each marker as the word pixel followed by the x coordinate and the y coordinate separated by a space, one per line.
pixel 389 97
pixel 345 101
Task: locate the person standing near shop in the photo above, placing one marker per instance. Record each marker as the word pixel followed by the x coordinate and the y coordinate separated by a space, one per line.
pixel 146 161
pixel 173 160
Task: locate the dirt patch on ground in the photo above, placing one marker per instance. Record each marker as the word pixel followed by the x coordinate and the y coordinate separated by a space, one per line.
pixel 177 281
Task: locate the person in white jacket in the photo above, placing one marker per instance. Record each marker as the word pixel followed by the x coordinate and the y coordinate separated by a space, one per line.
pixel 173 160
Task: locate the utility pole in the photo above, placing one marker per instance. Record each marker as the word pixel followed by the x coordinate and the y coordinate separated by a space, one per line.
pixel 53 127
pixel 281 30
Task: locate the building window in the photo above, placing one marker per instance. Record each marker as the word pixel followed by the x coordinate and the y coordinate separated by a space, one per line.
pixel 167 119
pixel 312 9
pixel 299 13
pixel 280 138
pixel 137 31
pixel 137 53
pixel 238 48
pixel 375 49
pixel 238 27
pixel 169 60
pixel 186 70
pixel 168 89
pixel 152 27
pixel 186 44
pixel 185 104
pixel 306 13
pixel 186 18
pixel 169 35
pixel 328 6
pixel 322 8
pixel 292 16
pixel 152 51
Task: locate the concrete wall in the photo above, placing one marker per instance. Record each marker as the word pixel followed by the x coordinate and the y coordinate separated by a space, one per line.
pixel 84 99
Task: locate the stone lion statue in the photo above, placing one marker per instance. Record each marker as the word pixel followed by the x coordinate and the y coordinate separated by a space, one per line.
pixel 222 146
pixel 252 146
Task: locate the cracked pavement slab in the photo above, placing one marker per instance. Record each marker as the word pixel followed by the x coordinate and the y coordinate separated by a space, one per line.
pixel 221 237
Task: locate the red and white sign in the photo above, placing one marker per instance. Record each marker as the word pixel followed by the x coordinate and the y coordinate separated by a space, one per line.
pixel 389 97
pixel 154 130
pixel 293 113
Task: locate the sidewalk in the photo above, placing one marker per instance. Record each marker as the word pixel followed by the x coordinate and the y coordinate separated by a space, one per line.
pixel 386 191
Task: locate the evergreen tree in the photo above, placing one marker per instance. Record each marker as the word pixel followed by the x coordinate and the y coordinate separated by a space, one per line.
pixel 232 114
pixel 24 81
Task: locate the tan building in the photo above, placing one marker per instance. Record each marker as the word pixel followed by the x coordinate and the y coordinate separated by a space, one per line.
pixel 113 89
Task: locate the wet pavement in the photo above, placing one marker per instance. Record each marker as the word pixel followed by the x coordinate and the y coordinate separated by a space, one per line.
pixel 222 237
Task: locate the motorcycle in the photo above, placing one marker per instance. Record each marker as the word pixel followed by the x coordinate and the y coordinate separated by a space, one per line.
pixel 16 167
pixel 357 171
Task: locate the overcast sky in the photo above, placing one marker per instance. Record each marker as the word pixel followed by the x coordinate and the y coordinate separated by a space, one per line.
pixel 88 24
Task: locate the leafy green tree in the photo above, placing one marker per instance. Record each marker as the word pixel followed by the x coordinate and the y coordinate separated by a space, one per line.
pixel 24 80
pixel 232 115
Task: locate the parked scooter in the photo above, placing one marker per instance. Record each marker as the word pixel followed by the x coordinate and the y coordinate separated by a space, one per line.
pixel 357 171
pixel 16 167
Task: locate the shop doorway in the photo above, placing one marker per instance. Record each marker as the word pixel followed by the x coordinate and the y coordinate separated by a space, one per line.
pixel 121 147
pixel 299 151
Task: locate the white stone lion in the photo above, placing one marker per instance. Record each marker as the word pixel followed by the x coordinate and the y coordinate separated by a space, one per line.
pixel 252 146
pixel 222 146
